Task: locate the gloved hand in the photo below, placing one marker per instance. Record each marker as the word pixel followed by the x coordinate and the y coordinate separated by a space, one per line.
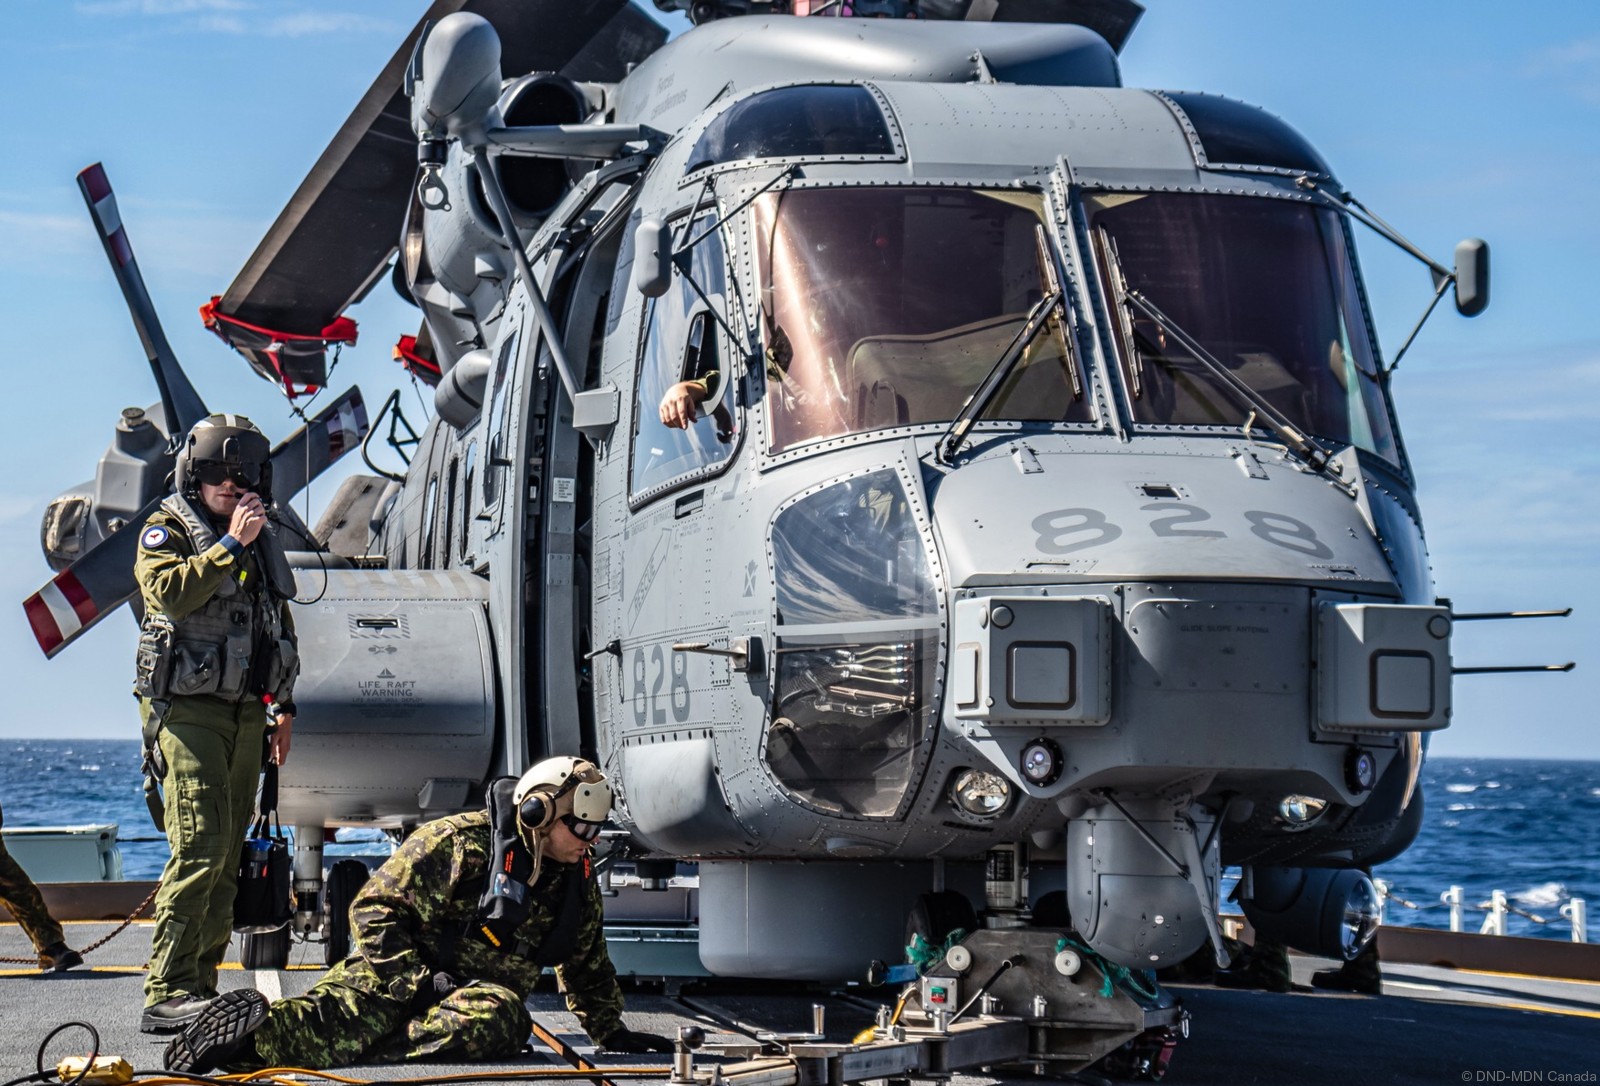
pixel 443 985
pixel 631 1040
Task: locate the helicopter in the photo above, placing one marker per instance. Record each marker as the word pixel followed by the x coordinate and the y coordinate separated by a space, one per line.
pixel 1043 535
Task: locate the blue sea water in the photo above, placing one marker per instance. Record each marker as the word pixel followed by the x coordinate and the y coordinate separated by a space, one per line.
pixel 1530 828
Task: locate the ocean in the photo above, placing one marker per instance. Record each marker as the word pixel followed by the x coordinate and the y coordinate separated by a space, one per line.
pixel 1526 827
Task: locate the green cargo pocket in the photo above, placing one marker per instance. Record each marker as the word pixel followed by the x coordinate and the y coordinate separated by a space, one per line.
pixel 202 821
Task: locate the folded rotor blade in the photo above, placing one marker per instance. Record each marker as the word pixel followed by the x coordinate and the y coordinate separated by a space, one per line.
pixel 180 401
pixel 308 452
pixel 331 243
pixel 88 590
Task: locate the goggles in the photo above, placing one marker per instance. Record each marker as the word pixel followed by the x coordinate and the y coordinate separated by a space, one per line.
pixel 213 472
pixel 583 831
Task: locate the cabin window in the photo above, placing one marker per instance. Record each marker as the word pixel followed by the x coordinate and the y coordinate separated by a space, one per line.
pixel 888 307
pixel 795 122
pixel 499 414
pixel 685 360
pixel 447 536
pixel 1267 288
pixel 853 710
pixel 468 464
pixel 430 518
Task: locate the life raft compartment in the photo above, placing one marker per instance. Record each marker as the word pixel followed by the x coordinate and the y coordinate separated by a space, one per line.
pixel 398 668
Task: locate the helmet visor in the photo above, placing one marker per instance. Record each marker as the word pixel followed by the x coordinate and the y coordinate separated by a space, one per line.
pixel 213 472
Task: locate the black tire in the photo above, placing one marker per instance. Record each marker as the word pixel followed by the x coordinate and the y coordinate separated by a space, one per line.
pixel 265 950
pixel 345 880
pixel 935 916
pixel 1050 911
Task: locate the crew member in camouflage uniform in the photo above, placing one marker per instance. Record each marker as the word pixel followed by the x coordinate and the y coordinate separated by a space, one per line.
pixel 450 937
pixel 19 895
pixel 215 643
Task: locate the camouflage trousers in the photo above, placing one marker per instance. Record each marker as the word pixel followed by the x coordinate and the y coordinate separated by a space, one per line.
pixel 335 1025
pixel 22 897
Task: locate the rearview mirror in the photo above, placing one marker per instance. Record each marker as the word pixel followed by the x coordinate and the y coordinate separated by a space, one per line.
pixel 652 258
pixel 1472 277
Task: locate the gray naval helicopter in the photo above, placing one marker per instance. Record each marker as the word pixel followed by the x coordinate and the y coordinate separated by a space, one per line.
pixel 1038 537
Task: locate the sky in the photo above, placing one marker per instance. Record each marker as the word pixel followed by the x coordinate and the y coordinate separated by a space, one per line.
pixel 1449 119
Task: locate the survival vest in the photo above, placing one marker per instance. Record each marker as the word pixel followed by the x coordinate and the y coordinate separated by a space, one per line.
pixel 234 646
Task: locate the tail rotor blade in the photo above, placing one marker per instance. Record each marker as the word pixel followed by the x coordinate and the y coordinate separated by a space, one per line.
pixel 309 451
pixel 182 403
pixel 78 597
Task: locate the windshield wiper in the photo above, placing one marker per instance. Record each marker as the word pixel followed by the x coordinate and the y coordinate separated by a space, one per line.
pixel 1043 311
pixel 1314 455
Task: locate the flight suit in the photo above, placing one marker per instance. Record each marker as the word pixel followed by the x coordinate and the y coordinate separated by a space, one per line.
pixel 412 922
pixel 212 746
pixel 19 894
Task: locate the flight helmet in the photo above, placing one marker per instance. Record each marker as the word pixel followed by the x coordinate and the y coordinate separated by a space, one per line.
pixel 570 790
pixel 221 447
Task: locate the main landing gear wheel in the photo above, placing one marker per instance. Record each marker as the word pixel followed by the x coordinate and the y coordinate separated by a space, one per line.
pixel 345 880
pixel 934 916
pixel 1146 1057
pixel 265 950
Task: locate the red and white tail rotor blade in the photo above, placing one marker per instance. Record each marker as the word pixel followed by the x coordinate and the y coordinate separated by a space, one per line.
pixel 78 597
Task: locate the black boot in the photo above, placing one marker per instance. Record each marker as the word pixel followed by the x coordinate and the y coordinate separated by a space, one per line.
pixel 169 1016
pixel 1359 974
pixel 221 1032
pixel 58 958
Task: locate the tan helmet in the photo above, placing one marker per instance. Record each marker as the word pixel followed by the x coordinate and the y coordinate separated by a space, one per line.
pixel 570 788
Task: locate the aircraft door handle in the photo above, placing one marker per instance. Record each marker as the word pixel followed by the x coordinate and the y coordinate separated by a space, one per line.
pixel 744 653
pixel 614 647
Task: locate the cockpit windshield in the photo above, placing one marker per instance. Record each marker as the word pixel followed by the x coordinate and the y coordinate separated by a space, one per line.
pixel 888 306
pixel 1267 287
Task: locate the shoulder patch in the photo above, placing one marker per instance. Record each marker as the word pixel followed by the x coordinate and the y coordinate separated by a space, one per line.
pixel 154 537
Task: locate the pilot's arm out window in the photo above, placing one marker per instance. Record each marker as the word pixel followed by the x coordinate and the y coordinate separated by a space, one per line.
pixel 684 421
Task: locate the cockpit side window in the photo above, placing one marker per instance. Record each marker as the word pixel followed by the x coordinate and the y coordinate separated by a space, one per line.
pixel 684 375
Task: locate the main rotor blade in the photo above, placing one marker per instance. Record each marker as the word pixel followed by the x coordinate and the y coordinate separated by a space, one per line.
pixel 179 400
pixel 330 244
pixel 308 452
pixel 78 597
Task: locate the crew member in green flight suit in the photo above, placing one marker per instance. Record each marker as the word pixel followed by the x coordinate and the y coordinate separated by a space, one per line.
pixel 216 653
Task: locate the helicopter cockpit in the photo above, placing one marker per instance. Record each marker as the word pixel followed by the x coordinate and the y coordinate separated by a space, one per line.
pixel 1266 288
pixel 886 307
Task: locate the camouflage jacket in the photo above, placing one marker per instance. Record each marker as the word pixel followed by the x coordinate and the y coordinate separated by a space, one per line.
pixel 414 918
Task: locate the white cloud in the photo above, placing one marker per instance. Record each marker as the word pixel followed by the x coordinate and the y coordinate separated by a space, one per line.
pixel 46 243
pixel 239 17
pixel 17 508
pixel 160 7
pixel 1575 65
pixel 37 226
pixel 222 24
pixel 1546 383
pixel 308 23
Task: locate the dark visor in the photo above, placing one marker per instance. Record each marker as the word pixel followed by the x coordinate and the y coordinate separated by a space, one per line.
pixel 212 472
